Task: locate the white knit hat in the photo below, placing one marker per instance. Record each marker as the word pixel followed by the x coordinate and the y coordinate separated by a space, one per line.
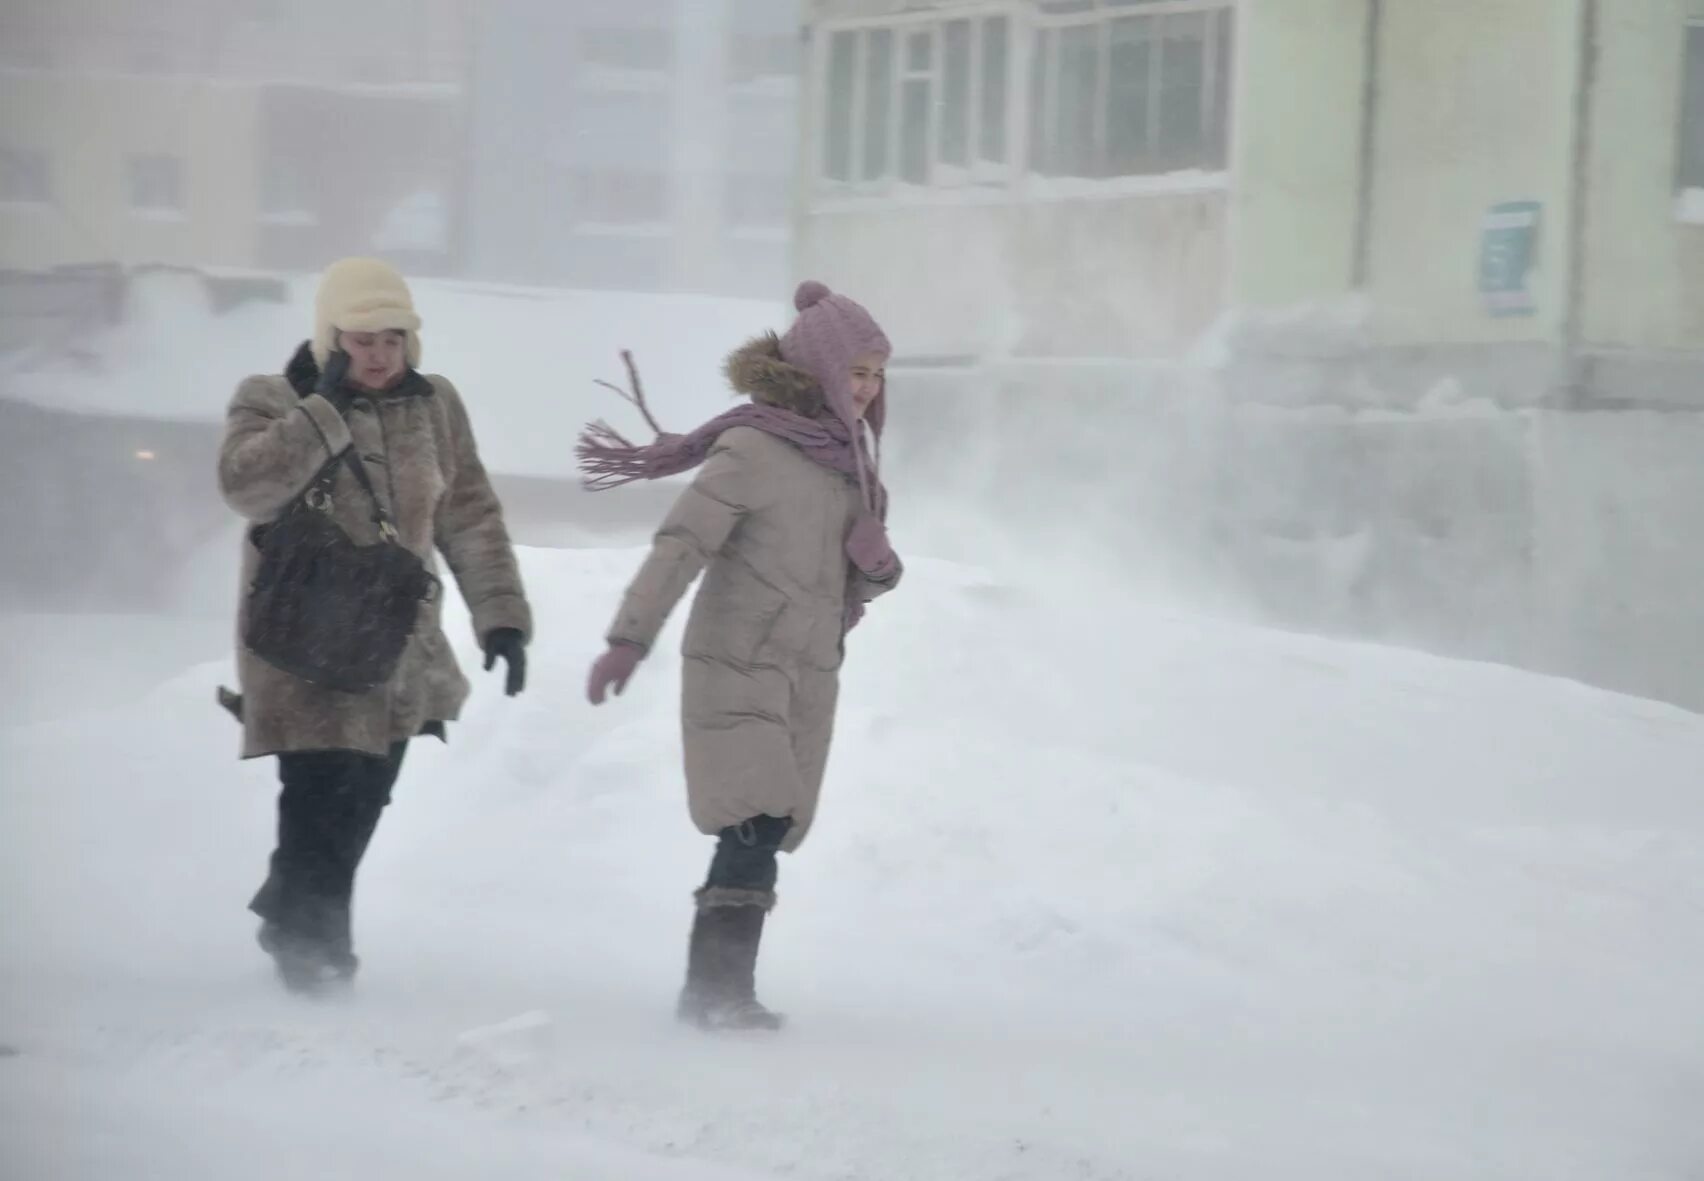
pixel 363 295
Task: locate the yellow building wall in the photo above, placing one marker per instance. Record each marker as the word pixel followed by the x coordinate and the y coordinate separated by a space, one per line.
pixel 1117 277
pixel 89 127
pixel 1296 149
pixel 1476 108
pixel 1644 269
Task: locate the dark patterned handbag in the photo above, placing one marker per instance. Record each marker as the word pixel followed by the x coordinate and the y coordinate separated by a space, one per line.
pixel 325 609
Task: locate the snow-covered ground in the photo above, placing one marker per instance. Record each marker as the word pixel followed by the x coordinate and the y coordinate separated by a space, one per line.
pixel 1100 891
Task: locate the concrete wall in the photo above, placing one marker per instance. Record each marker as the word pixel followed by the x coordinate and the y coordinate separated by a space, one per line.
pixel 1105 277
pixel 1618 549
pixel 1561 541
pixel 88 127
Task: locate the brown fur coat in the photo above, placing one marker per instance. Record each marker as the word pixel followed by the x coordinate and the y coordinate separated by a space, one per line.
pixel 419 450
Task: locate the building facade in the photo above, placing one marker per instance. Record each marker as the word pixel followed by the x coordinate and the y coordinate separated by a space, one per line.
pixel 1110 178
pixel 644 145
pixel 252 135
pixel 1372 317
pixel 1063 166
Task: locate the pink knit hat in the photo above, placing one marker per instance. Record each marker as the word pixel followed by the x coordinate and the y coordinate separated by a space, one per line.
pixel 830 333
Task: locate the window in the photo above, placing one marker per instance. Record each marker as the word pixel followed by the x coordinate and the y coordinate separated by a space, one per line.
pixel 839 94
pixel 619 197
pixel 25 177
pixel 758 200
pixel 627 48
pixel 763 55
pixel 1690 172
pixel 156 185
pixel 915 108
pixel 286 197
pixel 921 102
pixel 618 130
pixel 1115 92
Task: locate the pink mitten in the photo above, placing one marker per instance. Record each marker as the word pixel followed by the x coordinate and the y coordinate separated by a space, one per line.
pixel 614 668
pixel 868 547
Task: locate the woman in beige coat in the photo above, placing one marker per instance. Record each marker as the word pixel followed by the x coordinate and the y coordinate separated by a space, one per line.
pixel 352 393
pixel 785 520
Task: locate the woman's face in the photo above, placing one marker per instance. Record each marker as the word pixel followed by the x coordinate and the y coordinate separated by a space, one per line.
pixel 376 359
pixel 869 372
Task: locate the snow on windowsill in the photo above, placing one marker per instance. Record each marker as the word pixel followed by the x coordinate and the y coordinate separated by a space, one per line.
pixel 1031 188
pixel 767 86
pixel 1689 207
pixel 1067 188
pixel 622 80
pixel 236 81
pixel 766 234
pixel 296 217
pixel 623 229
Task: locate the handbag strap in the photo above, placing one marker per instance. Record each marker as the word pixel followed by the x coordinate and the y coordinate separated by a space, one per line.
pixel 381 518
pixel 318 495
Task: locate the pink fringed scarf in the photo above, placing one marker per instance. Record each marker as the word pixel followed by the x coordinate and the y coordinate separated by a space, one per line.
pixel 610 460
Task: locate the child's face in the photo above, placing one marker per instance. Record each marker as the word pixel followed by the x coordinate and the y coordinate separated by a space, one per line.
pixel 869 372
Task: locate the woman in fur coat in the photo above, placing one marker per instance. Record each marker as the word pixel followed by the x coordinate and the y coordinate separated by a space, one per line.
pixel 785 520
pixel 354 390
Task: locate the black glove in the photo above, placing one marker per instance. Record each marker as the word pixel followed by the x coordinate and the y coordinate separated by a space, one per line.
pixel 511 645
pixel 330 384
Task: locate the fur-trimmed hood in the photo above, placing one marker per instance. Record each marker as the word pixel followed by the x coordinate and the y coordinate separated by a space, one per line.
pixel 756 370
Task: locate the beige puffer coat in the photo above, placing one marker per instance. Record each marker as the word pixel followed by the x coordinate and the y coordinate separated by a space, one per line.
pixel 419 451
pixel 764 642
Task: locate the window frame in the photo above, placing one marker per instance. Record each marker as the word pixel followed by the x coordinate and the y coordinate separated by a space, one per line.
pixel 606 201
pixel 270 210
pixel 1103 18
pixel 1027 25
pixel 1689 190
pixel 177 212
pixel 31 153
pixel 979 173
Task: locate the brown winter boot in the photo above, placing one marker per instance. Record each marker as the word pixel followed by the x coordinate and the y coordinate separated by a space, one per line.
pixel 721 965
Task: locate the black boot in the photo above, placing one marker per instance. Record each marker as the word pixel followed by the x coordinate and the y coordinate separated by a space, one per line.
pixel 304 965
pixel 721 966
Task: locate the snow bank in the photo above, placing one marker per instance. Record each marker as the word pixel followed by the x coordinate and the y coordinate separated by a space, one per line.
pixel 1098 892
pixel 526 358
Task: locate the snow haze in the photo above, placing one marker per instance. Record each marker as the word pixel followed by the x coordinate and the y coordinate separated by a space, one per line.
pixel 1280 761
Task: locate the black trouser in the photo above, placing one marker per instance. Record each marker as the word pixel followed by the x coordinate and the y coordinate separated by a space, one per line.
pixel 745 855
pixel 327 812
